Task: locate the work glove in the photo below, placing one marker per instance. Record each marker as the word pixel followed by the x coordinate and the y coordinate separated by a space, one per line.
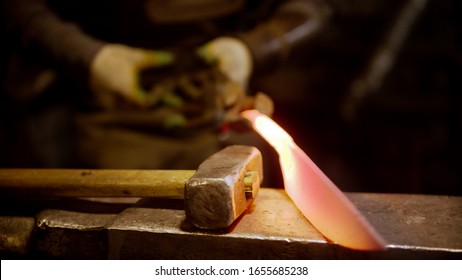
pixel 116 68
pixel 233 58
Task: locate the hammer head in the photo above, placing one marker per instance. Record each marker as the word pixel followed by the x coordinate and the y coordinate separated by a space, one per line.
pixel 223 187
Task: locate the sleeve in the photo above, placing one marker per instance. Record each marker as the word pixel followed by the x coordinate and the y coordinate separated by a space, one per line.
pixel 40 31
pixel 292 23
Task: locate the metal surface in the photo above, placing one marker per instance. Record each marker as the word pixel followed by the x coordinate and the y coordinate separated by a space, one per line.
pixel 415 226
pixel 215 196
pixel 15 233
pixel 315 195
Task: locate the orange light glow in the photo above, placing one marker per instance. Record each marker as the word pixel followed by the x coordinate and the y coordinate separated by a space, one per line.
pixel 316 196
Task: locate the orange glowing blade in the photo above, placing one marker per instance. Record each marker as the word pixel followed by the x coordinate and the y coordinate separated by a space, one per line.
pixel 317 197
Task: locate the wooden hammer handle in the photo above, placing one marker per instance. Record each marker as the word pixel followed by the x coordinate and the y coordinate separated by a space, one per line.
pixel 30 183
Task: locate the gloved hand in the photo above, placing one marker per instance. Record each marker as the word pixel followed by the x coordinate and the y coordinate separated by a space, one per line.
pixel 232 56
pixel 234 60
pixel 116 67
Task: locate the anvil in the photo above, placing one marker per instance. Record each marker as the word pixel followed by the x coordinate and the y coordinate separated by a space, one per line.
pixel 415 226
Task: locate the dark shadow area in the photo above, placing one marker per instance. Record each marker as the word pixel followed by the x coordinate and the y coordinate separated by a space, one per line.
pixel 406 134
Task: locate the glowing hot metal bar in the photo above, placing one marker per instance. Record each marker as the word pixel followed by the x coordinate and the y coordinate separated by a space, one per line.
pixel 317 197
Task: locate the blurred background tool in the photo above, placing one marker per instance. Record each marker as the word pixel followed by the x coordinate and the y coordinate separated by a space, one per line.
pixel 382 59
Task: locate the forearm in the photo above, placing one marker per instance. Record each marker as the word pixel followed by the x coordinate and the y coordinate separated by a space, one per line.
pixel 293 23
pixel 42 32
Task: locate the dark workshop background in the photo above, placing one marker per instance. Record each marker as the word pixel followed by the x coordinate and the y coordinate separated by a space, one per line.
pixel 405 136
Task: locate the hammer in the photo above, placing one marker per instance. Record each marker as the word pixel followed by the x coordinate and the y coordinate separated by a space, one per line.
pixel 215 195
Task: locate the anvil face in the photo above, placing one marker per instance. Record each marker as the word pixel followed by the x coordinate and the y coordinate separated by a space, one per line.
pixel 416 227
